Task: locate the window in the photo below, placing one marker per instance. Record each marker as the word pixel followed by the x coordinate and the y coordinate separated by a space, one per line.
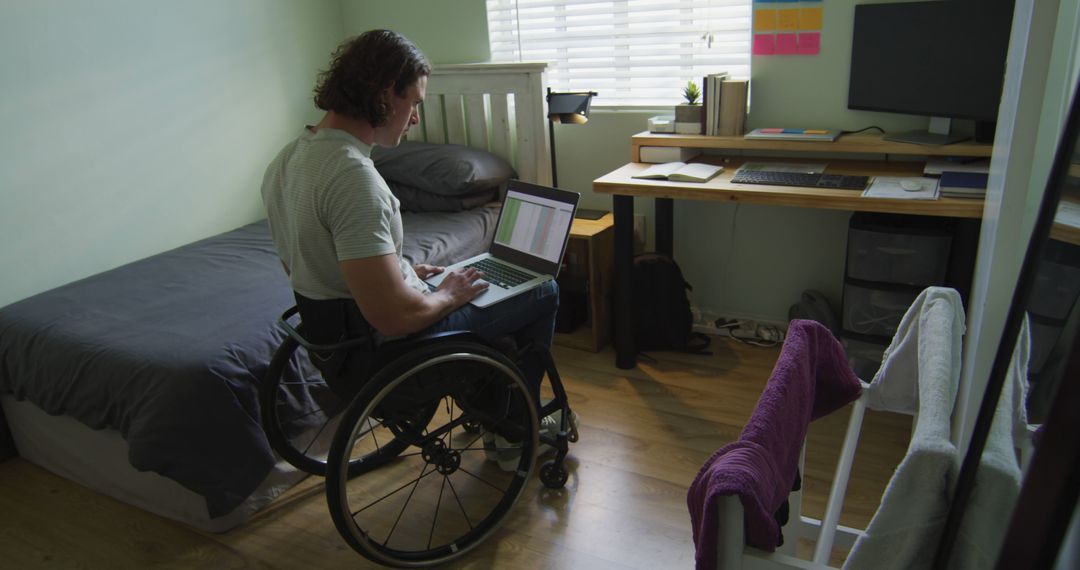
pixel 631 52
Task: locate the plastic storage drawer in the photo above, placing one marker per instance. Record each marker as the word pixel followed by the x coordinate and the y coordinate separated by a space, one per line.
pixel 864 357
pixel 873 311
pixel 1055 290
pixel 1044 336
pixel 896 256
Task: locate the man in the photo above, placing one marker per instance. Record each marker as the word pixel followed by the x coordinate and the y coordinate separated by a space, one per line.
pixel 337 227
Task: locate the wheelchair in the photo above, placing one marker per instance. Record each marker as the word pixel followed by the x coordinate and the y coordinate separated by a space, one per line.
pixel 418 466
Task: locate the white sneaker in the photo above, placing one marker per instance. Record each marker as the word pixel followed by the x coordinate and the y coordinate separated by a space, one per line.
pixel 508 455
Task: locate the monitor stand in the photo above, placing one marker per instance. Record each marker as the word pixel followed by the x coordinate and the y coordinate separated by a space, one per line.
pixel 936 135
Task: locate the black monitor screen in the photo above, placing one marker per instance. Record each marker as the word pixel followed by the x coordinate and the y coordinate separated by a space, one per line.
pixel 942 59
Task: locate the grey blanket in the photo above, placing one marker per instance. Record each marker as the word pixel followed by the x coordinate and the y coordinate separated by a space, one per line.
pixel 169 350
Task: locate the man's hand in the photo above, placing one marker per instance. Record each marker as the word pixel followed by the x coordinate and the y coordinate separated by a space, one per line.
pixel 423 270
pixel 394 308
pixel 463 285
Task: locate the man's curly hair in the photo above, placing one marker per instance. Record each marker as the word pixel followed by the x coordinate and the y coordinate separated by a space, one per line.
pixel 365 65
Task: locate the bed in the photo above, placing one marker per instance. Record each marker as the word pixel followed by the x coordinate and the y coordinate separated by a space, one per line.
pixel 141 382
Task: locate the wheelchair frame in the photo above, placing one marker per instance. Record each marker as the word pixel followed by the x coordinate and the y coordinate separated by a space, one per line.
pixel 430 399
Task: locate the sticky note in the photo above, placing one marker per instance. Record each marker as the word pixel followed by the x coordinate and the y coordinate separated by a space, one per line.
pixel 793 131
pixel 771 130
pixel 764 44
pixel 815 132
pixel 786 44
pixel 810 19
pixel 787 20
pixel 809 43
pixel 764 20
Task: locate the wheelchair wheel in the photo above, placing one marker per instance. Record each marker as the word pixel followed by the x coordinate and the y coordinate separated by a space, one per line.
pixel 300 414
pixel 445 494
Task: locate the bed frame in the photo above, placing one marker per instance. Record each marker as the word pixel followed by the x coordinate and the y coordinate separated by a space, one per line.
pixel 495 107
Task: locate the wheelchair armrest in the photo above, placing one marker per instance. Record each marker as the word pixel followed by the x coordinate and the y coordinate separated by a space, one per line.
pixel 295 333
pixel 395 346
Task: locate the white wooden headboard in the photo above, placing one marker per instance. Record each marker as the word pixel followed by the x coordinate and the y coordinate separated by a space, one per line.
pixel 498 107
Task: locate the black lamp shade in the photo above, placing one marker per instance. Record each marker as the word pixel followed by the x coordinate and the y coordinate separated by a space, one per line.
pixel 569 107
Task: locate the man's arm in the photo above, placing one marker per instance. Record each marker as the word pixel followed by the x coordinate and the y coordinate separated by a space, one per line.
pixel 396 309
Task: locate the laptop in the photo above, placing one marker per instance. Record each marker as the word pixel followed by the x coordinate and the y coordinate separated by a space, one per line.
pixel 529 243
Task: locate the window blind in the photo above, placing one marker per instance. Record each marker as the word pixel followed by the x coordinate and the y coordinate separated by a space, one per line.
pixel 631 52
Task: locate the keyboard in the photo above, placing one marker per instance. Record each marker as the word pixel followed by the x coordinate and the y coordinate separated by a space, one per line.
pixel 810 180
pixel 500 274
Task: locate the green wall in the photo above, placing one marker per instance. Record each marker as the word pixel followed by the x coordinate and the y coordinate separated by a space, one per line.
pixel 448 31
pixel 132 127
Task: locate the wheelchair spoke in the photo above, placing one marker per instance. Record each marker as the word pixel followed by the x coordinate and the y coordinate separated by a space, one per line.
pixel 314 439
pixel 406 505
pixel 371 430
pixel 435 517
pixel 391 493
pixel 460 506
pixel 480 479
pixel 306 415
pixel 450 412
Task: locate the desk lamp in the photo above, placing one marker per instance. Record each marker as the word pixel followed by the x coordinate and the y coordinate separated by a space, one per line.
pixel 573 109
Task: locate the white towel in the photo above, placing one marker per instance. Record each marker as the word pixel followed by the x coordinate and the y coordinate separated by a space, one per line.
pixel 997 482
pixel 919 374
pixel 920 345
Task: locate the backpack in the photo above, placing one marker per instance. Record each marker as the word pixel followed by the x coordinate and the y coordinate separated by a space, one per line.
pixel 813 306
pixel 662 317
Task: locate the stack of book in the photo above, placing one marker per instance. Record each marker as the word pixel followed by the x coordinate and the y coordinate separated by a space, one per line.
pixel 725 105
pixel 960 179
pixel 963 184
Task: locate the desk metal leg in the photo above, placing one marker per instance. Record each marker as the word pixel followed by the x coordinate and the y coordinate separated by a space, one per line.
pixel 625 356
pixel 665 220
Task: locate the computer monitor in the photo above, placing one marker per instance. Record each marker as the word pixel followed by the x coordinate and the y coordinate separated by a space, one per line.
pixel 944 59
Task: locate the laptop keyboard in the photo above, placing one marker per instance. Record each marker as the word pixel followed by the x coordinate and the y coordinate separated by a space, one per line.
pixel 499 274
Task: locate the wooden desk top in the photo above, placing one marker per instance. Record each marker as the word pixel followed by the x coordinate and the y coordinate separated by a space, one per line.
pixel 721 189
pixel 863 143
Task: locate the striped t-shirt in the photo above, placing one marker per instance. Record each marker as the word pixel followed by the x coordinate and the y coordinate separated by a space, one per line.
pixel 326 203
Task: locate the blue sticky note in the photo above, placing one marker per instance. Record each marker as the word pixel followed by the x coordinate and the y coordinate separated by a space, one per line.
pixel 793 131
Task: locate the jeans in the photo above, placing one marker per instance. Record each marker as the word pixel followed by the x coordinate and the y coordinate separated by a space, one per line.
pixel 528 317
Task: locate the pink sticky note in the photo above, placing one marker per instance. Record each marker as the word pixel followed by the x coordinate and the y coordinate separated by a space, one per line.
pixel 764 44
pixel 809 43
pixel 786 44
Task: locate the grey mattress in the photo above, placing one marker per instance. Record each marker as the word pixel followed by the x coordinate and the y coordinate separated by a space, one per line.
pixel 169 350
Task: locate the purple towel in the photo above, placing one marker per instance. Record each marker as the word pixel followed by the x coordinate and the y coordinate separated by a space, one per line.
pixel 811 379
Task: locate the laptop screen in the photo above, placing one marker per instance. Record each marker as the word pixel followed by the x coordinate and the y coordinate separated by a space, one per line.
pixel 534 226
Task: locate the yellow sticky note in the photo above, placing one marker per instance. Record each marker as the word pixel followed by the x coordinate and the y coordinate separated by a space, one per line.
pixel 810 19
pixel 764 20
pixel 787 20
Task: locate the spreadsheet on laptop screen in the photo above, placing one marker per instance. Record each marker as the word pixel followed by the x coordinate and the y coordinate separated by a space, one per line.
pixel 534 225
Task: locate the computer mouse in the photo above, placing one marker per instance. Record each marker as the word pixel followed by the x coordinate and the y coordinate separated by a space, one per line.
pixel 911 185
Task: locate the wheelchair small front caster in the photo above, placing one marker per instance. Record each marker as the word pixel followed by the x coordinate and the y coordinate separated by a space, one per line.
pixel 552 475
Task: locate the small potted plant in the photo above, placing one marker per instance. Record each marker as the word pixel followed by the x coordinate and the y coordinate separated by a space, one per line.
pixel 688 116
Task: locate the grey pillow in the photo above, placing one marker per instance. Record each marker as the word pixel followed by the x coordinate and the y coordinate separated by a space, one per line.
pixel 442 169
pixel 413 200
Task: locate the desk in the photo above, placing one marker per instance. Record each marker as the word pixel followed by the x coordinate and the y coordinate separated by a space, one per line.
pixel 623 188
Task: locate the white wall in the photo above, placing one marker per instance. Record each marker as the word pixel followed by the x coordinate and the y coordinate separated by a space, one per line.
pixel 131 127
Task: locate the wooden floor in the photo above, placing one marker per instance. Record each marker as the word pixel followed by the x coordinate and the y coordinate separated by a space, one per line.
pixel 644 435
